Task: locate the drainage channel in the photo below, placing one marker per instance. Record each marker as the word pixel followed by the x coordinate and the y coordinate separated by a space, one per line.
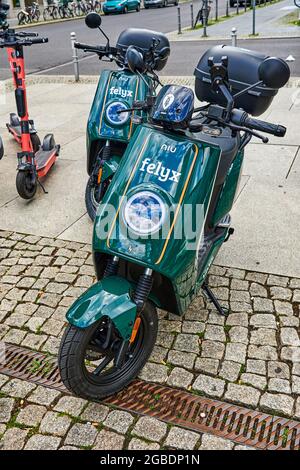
pixel 197 413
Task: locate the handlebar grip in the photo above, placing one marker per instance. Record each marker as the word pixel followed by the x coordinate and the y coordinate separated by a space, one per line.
pixel 87 47
pixel 38 40
pixel 274 129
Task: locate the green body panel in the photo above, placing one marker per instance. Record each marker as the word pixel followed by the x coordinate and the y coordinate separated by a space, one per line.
pixel 109 297
pixel 229 189
pixel 110 167
pixel 120 85
pixel 197 164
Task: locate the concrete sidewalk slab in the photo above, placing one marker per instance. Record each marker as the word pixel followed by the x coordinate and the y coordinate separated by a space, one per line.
pixel 266 216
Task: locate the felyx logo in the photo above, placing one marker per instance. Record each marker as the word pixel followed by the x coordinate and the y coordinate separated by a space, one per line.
pixel 157 169
pixel 120 92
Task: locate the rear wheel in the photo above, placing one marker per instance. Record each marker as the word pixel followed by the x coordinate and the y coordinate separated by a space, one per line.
pixel 86 358
pixel 26 183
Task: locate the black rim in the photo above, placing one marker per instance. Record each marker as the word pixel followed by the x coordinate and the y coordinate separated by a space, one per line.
pixel 102 371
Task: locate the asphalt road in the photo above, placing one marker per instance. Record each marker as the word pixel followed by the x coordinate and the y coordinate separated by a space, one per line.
pixel 56 56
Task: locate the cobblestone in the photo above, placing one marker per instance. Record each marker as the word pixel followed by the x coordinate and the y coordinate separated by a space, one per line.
pixel 82 435
pixel 245 395
pixel 107 440
pixel 209 385
pixel 179 438
pixel 210 442
pixel 119 421
pixel 13 439
pixel 180 378
pixel 278 403
pixel 150 428
pixel 31 415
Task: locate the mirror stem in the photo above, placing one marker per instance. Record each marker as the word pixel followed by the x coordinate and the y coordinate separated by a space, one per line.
pixel 106 37
pixel 248 89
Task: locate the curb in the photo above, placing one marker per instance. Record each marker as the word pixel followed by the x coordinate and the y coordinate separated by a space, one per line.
pixel 224 38
pixel 45 23
pixel 186 80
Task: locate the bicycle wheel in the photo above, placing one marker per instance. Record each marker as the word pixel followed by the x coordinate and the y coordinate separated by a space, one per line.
pixel 55 13
pixel 36 16
pixel 46 14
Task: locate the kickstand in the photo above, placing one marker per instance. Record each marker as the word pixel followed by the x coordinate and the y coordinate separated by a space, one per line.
pixel 43 188
pixel 213 299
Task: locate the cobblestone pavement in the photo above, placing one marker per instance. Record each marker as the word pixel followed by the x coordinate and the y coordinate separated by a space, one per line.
pixel 251 358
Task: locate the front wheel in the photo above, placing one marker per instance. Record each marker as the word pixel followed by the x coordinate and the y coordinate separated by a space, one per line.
pixel 125 10
pixel 26 183
pixel 138 8
pixel 93 195
pixel 86 358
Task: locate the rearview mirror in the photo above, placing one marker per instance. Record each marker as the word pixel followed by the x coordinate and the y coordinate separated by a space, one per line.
pixel 135 60
pixel 274 72
pixel 93 20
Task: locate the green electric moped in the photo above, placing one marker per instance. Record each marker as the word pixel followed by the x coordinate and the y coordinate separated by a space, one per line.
pixel 108 132
pixel 166 215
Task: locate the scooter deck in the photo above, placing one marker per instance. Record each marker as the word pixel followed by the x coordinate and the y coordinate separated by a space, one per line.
pixel 15 131
pixel 45 159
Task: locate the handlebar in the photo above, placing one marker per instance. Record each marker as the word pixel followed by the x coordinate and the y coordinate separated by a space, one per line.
pixel 267 127
pixel 100 50
pixel 241 118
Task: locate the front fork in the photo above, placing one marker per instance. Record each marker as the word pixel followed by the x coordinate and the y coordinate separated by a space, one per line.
pixel 103 156
pixel 140 296
pixel 26 158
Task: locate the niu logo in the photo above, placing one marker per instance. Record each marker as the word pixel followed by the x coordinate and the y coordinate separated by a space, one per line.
pixel 120 92
pixel 157 169
pixel 168 148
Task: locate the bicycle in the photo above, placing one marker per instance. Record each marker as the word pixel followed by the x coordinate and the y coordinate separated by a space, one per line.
pixel 94 5
pixel 203 13
pixel 51 11
pixel 80 8
pixel 30 14
pixel 64 10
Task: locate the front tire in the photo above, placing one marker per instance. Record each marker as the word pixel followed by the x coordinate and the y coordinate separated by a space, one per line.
pixel 76 349
pixel 26 183
pixel 92 200
pixel 125 10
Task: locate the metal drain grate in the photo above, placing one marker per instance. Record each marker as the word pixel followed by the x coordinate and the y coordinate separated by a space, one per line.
pixel 242 425
pixel 29 365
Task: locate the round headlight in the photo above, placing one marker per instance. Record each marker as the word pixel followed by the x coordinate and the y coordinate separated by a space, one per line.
pixel 113 116
pixel 144 213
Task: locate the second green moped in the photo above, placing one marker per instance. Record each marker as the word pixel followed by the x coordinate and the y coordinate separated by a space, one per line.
pixel 166 215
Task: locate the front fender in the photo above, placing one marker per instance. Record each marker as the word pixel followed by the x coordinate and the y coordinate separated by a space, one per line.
pixel 109 297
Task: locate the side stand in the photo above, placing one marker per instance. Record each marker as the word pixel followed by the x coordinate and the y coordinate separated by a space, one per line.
pixel 210 295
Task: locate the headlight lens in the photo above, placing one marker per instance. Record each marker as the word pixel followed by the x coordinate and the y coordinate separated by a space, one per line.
pixel 144 213
pixel 112 113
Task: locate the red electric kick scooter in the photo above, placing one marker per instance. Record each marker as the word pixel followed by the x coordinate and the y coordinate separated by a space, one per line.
pixel 34 160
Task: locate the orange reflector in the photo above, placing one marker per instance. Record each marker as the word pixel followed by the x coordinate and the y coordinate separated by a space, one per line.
pixel 100 175
pixel 135 329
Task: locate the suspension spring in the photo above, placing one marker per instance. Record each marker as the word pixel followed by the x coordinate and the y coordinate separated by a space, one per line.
pixel 143 289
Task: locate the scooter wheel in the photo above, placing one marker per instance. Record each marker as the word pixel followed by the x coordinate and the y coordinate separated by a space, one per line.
pixel 26 184
pixel 79 375
pixel 1 149
pixel 35 141
pixel 90 196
